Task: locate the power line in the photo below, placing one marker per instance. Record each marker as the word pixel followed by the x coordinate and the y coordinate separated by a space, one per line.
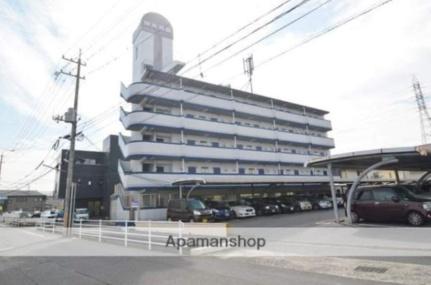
pixel 279 16
pixel 269 35
pixel 325 31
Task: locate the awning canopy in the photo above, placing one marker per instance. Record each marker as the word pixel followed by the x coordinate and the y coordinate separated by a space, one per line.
pixel 416 158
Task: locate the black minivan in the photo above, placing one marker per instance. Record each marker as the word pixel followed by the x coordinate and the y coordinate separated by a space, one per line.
pixel 188 210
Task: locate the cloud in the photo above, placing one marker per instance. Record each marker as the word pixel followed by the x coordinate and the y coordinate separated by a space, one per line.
pixel 361 73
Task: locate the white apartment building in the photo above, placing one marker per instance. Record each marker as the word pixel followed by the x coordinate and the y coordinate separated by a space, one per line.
pixel 180 128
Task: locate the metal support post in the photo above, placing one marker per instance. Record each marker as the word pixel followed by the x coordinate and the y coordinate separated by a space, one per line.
pixel 100 230
pixel 126 232
pixel 180 235
pixel 334 198
pixel 149 235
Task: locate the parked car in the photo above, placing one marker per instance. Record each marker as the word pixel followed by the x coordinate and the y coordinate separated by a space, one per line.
pixel 36 214
pixel 262 206
pixel 81 214
pixel 389 203
pixel 191 210
pixel 320 203
pixel 240 210
pixel 291 201
pixel 49 214
pixel 284 206
pixel 220 210
pixel 304 204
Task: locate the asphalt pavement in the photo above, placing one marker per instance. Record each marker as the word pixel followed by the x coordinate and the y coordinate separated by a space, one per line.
pixel 155 270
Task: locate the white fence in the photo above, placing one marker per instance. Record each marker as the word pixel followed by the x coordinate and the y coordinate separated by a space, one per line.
pixel 145 234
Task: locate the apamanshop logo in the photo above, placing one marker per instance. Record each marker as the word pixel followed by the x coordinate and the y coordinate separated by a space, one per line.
pixel 228 242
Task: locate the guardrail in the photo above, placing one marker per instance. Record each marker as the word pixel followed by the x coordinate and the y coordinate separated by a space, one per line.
pixel 133 233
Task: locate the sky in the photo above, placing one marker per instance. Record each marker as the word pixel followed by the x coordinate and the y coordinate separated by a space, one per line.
pixel 361 73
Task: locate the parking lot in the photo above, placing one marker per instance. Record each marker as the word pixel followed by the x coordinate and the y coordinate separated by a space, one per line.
pixel 297 219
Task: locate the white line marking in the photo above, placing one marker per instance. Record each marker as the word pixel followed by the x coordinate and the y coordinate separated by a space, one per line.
pixel 34 234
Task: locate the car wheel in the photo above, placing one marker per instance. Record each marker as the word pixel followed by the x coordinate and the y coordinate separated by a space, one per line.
pixel 415 219
pixel 355 217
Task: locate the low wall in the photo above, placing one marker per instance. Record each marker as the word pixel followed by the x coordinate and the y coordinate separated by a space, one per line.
pixel 120 213
pixel 158 214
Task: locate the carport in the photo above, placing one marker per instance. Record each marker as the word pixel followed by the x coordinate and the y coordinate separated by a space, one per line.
pixel 416 158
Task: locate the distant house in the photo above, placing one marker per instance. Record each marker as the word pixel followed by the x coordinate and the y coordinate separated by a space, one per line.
pixel 14 200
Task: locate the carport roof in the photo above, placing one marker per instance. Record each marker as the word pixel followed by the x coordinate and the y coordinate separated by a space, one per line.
pixel 416 158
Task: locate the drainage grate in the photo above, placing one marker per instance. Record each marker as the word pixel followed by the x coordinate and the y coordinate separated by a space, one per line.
pixel 371 269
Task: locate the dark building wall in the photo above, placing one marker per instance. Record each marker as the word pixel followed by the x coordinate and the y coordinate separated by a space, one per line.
pixel 95 174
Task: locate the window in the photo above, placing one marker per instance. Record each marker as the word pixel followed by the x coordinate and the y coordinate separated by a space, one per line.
pixel 259 148
pixel 146 137
pixel 189 116
pixel 216 170
pixel 215 144
pixel 163 110
pixel 160 169
pixel 384 194
pixel 261 171
pixel 214 119
pixel 160 140
pixel 296 172
pixel 192 169
pixel 191 142
pixel 240 146
pixel 203 142
pixel 241 171
pixel 146 167
pixel 281 172
pixel 293 150
pixel 325 172
pixel 365 196
pixel 147 109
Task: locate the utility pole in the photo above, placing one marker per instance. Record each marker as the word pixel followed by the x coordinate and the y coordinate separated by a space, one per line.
pixel 248 66
pixel 1 162
pixel 424 116
pixel 71 116
pixel 2 159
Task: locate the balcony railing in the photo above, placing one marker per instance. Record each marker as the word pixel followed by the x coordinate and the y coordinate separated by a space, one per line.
pixel 139 149
pixel 138 119
pixel 139 90
pixel 139 180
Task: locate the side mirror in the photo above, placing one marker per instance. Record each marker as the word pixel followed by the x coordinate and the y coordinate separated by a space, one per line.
pixel 396 199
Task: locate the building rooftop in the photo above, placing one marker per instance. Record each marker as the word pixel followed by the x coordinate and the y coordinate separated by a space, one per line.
pixel 414 158
pixel 14 193
pixel 164 77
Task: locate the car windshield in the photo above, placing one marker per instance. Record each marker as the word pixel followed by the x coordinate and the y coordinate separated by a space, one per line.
pixel 195 204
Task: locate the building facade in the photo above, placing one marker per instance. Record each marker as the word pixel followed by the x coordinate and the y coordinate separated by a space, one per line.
pixel 180 128
pixel 25 200
pixel 95 175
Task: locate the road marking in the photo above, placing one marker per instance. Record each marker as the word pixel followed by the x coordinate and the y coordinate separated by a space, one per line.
pixel 33 234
